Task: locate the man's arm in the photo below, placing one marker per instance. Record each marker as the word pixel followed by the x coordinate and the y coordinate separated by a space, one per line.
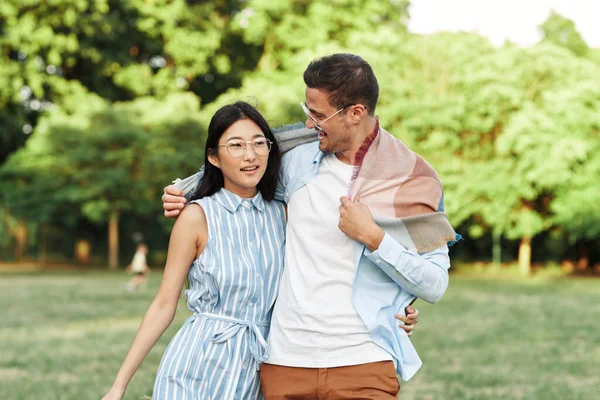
pixel 423 275
pixel 282 181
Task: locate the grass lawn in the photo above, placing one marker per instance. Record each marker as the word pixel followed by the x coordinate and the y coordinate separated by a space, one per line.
pixel 64 335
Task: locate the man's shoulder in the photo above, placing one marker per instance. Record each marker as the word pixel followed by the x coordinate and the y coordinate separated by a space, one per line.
pixel 297 161
pixel 420 165
pixel 307 151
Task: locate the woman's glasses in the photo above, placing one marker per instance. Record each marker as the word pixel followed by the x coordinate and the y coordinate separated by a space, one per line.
pixel 236 147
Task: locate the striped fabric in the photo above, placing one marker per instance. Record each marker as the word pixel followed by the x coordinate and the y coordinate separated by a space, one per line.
pixel 234 283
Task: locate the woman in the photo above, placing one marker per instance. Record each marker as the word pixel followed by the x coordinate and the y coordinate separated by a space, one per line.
pixel 230 244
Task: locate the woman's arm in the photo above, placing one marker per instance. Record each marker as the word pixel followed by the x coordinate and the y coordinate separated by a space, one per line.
pixel 187 242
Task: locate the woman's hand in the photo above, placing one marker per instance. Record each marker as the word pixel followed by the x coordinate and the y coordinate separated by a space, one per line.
pixel 114 394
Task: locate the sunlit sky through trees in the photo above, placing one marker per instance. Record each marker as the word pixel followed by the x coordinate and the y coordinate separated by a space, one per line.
pixel 500 20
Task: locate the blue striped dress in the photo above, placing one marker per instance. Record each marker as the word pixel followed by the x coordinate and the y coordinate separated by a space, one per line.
pixel 233 286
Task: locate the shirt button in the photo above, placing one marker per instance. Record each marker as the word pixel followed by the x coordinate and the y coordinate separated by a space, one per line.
pixel 378 261
pixel 251 244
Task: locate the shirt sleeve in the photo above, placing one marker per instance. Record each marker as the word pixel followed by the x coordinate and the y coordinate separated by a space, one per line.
pixel 424 275
pixel 190 184
pixel 282 181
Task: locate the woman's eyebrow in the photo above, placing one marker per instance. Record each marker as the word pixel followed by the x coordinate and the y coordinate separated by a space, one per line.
pixel 240 138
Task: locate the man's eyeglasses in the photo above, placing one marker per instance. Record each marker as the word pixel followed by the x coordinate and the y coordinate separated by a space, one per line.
pixel 236 148
pixel 317 123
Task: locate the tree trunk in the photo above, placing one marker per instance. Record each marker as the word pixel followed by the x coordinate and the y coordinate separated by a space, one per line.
pixel 113 240
pixel 43 254
pixel 525 256
pixel 497 248
pixel 583 254
pixel 20 234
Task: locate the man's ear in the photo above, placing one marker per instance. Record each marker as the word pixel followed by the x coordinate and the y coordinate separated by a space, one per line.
pixel 214 160
pixel 357 113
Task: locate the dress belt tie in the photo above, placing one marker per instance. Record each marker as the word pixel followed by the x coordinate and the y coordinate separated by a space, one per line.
pixel 258 344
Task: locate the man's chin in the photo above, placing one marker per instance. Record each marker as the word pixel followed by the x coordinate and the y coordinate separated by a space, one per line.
pixel 323 147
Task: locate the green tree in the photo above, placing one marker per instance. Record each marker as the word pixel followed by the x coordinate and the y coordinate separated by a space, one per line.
pixel 489 120
pixel 51 52
pixel 12 113
pixel 102 45
pixel 575 208
pixel 562 32
pixel 291 33
pixel 103 163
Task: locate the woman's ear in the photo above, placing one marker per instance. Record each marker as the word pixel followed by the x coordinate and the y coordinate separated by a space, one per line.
pixel 214 160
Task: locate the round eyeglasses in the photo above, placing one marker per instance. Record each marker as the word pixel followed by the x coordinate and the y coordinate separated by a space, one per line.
pixel 236 148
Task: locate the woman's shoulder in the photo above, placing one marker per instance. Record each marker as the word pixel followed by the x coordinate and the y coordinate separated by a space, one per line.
pixel 193 213
pixel 206 201
pixel 190 225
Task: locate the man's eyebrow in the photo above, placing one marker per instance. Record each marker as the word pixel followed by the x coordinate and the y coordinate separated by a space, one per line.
pixel 314 111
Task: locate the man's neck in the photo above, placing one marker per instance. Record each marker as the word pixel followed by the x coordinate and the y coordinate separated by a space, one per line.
pixel 347 157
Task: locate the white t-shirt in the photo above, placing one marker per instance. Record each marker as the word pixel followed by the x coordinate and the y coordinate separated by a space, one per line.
pixel 315 324
pixel 138 264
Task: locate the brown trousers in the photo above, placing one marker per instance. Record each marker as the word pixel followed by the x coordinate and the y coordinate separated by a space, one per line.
pixel 365 381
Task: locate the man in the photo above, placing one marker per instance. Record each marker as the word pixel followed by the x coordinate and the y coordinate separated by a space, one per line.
pixel 332 332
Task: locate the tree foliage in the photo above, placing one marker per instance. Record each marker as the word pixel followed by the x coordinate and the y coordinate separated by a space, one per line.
pixel 115 98
pixel 116 158
pixel 562 32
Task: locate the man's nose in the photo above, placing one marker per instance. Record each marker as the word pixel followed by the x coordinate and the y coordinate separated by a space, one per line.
pixel 310 124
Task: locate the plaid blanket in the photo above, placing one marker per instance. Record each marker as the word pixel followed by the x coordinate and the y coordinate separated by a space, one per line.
pixel 400 187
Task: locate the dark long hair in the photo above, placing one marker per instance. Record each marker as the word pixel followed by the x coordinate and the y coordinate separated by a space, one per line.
pixel 226 116
pixel 347 78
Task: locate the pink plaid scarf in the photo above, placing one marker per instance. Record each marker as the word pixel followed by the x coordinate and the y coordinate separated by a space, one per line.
pixel 399 185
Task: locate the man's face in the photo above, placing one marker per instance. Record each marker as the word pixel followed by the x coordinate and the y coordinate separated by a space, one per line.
pixel 335 135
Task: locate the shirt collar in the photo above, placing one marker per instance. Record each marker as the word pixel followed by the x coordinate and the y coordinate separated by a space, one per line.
pixel 317 158
pixel 232 202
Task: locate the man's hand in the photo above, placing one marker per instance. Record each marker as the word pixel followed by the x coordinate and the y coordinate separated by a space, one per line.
pixel 173 201
pixel 358 224
pixel 411 319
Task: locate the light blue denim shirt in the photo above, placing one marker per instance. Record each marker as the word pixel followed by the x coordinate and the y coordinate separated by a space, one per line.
pixel 386 280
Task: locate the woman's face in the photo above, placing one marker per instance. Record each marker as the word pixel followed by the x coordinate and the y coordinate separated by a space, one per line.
pixel 241 173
